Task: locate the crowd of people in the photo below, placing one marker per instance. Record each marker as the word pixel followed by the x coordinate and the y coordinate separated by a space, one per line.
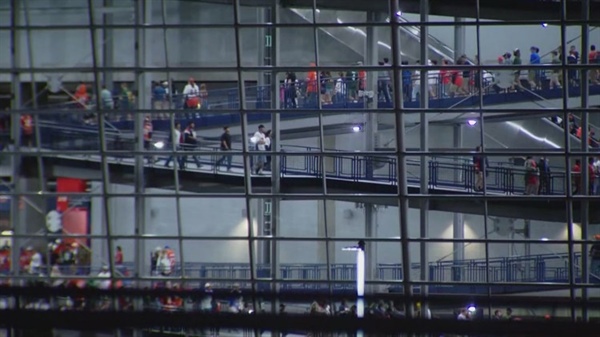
pixel 352 86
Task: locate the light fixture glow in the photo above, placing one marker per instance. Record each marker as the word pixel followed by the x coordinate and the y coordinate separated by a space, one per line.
pixel 360 273
pixel 472 122
pixel 360 279
pixel 159 145
pixel 356 128
pixel 544 24
pixel 544 239
pixel 471 309
pixel 399 13
pixel 531 135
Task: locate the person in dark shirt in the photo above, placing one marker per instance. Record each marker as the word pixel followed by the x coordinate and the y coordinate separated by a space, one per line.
pixel 595 260
pixel 480 164
pixel 225 144
pixel 544 168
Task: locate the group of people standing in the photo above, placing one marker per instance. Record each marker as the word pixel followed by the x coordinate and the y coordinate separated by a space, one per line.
pixel 187 140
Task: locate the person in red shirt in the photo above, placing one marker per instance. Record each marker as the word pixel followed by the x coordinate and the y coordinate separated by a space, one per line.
pixel 81 95
pixel 25 258
pixel 576 177
pixel 148 130
pixel 446 77
pixel 27 130
pixel 311 86
pixel 5 259
pixel 593 59
pixel 119 256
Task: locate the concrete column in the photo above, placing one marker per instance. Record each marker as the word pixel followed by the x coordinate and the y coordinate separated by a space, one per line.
pixel 460 36
pixel 371 59
pixel 371 130
pixel 424 133
pixel 108 43
pixel 97 227
pixel 143 57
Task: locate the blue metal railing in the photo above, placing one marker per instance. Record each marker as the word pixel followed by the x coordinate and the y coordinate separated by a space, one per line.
pixel 444 172
pixel 520 269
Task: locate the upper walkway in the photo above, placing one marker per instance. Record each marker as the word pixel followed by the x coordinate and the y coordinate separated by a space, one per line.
pixel 302 171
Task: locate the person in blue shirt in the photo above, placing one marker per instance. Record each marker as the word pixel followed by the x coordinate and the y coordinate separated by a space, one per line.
pixel 159 96
pixel 534 74
pixel 406 82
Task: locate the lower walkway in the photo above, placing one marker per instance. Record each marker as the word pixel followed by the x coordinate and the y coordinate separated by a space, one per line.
pixel 346 177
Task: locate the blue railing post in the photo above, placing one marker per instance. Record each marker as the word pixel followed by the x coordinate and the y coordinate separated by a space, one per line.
pixel 369 167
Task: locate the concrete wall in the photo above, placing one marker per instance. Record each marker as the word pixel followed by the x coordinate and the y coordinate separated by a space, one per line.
pixel 496 40
pixel 213 217
pixel 185 47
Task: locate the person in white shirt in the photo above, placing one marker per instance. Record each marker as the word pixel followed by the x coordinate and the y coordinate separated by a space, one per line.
pixel 595 179
pixel 191 94
pixel 260 142
pixel 464 315
pixel 104 274
pixel 189 143
pixel 36 263
pixel 433 79
pixel 416 84
pixel 176 143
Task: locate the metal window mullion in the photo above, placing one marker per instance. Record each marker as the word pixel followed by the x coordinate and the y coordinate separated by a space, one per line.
pixel 424 146
pixel 15 199
pixel 247 167
pixel 401 165
pixel 322 159
pixel 567 149
pixel 139 174
pixel 36 122
pixel 174 154
pixel 483 153
pixel 102 140
pixel 586 179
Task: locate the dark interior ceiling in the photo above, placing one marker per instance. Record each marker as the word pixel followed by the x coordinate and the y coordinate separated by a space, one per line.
pixel 489 9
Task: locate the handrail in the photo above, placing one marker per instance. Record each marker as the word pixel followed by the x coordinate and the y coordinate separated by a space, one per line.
pixel 569 42
pixel 445 160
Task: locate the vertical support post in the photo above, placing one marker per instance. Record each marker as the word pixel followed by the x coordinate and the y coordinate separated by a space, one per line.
pixel 139 177
pixel 108 53
pixel 275 159
pixel 371 129
pixel 424 133
pixel 143 84
pixel 15 123
pixel 586 180
pixel 328 222
pixel 401 165
pixel 460 36
pixel 245 146
pixel 458 221
pixel 527 236
pixel 103 149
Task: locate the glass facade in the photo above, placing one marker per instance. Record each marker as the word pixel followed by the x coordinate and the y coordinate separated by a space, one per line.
pixel 175 144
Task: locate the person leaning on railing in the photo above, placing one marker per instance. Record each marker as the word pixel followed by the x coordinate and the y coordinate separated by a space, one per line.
pixel 480 165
